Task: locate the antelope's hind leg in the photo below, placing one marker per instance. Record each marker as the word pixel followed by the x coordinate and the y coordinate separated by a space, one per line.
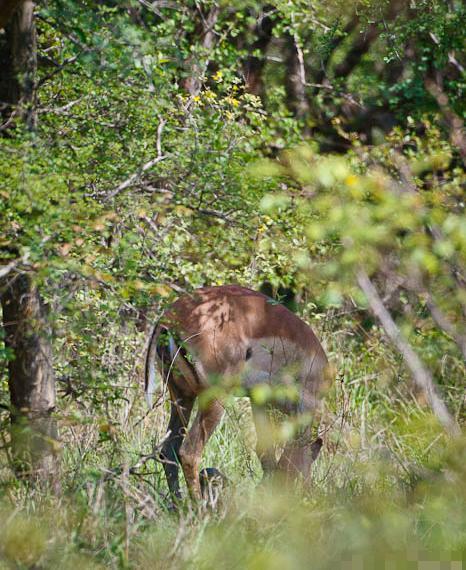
pixel 190 453
pixel 299 455
pixel 265 447
pixel 302 450
pixel 180 412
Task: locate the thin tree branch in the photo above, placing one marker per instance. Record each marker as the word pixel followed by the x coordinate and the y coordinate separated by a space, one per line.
pixel 333 45
pixel 147 166
pixel 59 68
pixel 132 179
pixel 60 110
pixel 364 40
pixel 454 122
pixel 421 376
pixel 443 322
pixel 6 269
pixel 295 79
pixel 360 47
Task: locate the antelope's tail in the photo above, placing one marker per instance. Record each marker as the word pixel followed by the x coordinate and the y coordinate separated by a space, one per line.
pixel 157 351
pixel 151 373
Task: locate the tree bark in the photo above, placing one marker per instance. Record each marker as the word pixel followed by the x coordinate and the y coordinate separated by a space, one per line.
pixel 31 381
pixel 365 38
pixel 321 74
pixel 254 64
pixel 197 65
pixel 31 378
pixel 360 47
pixel 7 9
pixel 18 64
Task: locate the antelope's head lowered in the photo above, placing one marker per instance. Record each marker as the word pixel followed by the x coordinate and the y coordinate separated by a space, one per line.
pixel 224 333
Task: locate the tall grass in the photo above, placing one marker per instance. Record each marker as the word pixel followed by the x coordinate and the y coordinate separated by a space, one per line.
pixel 388 491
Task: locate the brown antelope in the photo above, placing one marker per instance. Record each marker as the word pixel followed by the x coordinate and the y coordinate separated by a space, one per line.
pixel 225 333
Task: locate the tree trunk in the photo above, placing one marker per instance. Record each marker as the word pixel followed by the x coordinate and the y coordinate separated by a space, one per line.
pixel 7 9
pixel 254 64
pixel 31 378
pixel 197 65
pixel 31 381
pixel 18 64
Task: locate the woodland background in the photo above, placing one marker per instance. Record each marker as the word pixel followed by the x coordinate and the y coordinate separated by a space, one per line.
pixel 315 150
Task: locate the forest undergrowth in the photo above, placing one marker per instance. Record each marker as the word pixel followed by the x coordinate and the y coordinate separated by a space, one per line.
pixel 314 151
pixel 389 487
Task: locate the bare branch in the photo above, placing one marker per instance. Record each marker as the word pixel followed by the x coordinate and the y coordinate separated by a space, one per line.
pixel 6 269
pixel 360 47
pixel 58 69
pixel 132 179
pixel 452 59
pixel 158 145
pixel 295 80
pixel 364 40
pixel 334 44
pixel 421 376
pixel 443 322
pixel 454 122
pixel 147 166
pixel 60 110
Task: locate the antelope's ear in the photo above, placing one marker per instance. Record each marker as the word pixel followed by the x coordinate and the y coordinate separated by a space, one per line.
pixel 316 446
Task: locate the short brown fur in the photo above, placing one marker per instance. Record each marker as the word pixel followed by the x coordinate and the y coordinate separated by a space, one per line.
pixel 233 331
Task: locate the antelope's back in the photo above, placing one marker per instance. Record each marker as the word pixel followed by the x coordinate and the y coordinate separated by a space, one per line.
pixel 234 330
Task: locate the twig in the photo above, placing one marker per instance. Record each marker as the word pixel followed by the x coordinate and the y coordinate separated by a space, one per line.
pixel 59 68
pixel 338 92
pixel 452 59
pixel 9 267
pixel 15 112
pixel 129 181
pixel 155 6
pixel 62 109
pixel 158 144
pixel 443 322
pixel 6 269
pixel 454 122
pixel 421 376
pixel 148 165
pixel 216 214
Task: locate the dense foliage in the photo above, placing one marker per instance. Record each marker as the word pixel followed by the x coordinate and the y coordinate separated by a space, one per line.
pixel 318 148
